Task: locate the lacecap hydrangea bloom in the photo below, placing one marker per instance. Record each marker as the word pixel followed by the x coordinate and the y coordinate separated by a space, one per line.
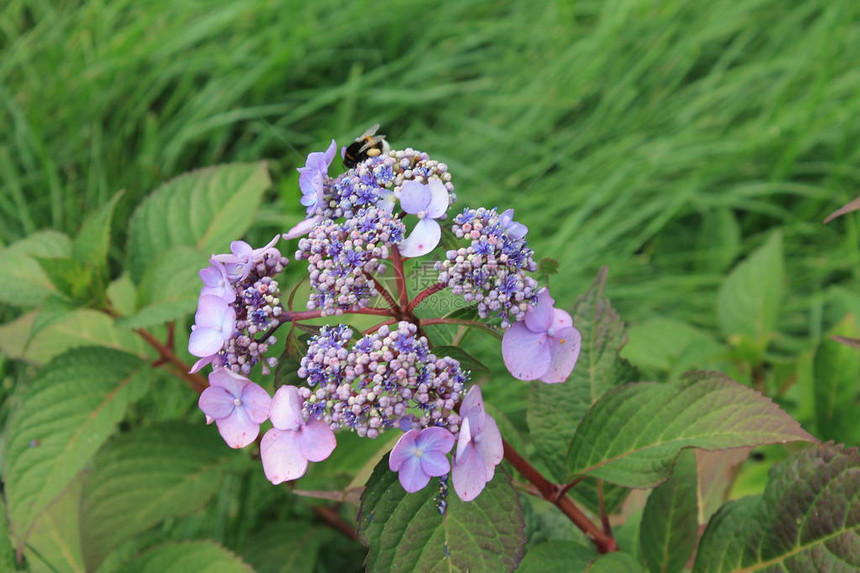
pixel 360 227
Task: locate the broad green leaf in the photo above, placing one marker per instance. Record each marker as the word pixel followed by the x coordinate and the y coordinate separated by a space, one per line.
pixel 91 245
pixel 204 209
pixel 286 547
pixel 555 409
pixel 467 361
pixel 837 385
pixel 615 563
pixel 716 475
pixel 750 297
pixel 633 434
pixel 672 346
pixel 556 557
pixel 719 240
pixel 405 532
pixel 169 288
pixel 670 525
pixel 122 295
pixel 70 278
pixel 54 543
pixel 185 557
pixel 61 419
pixel 81 327
pixel 53 309
pixel 808 519
pixel 152 473
pixel 22 280
pixel 7 551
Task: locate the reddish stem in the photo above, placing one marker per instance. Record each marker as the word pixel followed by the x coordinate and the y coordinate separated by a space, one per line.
pixel 197 382
pixel 431 290
pixel 601 502
pixel 549 491
pixel 397 262
pixel 384 292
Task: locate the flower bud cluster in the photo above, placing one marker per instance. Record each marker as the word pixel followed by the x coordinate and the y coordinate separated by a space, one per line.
pixel 383 378
pixel 491 270
pixel 342 258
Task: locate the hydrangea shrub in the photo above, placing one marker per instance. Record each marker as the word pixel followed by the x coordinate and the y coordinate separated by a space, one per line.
pixel 358 407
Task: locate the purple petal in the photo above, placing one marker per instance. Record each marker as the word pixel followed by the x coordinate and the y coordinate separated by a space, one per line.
pixel 329 154
pixel 228 323
pixel 303 228
pixel 435 439
pixel 201 363
pixel 317 441
pixel 237 429
pixel 560 319
pixel 473 400
pixel 241 249
pixel 212 276
pixel 539 318
pixel 489 444
pixel 282 456
pixel 286 409
pixel 435 464
pixel 564 349
pixel 424 238
pixel 256 402
pixel 526 354
pixel 402 450
pixel 210 311
pixel 205 342
pixel 464 441
pixel 469 476
pixel 229 380
pixel 216 402
pixel 414 197
pixel 411 476
pixel 438 199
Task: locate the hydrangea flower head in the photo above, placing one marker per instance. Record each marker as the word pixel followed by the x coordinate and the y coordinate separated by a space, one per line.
pixel 287 448
pixel 420 455
pixel 479 447
pixel 313 176
pixel 544 345
pixel 428 202
pixel 237 405
pixel 244 257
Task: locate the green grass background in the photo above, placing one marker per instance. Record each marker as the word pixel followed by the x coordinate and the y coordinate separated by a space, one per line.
pixel 666 139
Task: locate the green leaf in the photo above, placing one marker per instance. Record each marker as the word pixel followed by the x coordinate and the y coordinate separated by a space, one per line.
pixel 7 551
pixel 716 471
pixel 70 277
pixel 405 532
pixel 556 557
pixel 61 419
pixel 54 543
pixel 91 245
pixel 615 563
pixel 633 434
pixel 837 385
pixel 22 280
pixel 152 473
pixel 750 297
pixel 286 547
pixel 719 240
pixel 671 346
pixel 670 527
pixel 169 288
pixel 204 209
pixel 555 409
pixel 808 519
pixel 467 361
pixel 122 295
pixel 197 556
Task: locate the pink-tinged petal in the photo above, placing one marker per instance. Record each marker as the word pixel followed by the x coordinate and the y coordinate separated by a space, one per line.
pixel 256 402
pixel 210 311
pixel 438 199
pixel 201 363
pixel 317 441
pixel 526 354
pixel 473 400
pixel 539 317
pixel 303 228
pixel 205 342
pixel 469 476
pixel 435 464
pixel 411 476
pixel 402 450
pixel 560 319
pixel 564 350
pixel 435 439
pixel 424 238
pixel 241 249
pixel 212 275
pixel 414 197
pixel 224 291
pixel 237 429
pixel 464 441
pixel 286 409
pixel 475 417
pixel 229 380
pixel 216 402
pixel 489 444
pixel 282 456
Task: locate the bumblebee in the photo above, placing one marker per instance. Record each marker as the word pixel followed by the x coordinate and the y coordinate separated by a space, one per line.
pixel 368 144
